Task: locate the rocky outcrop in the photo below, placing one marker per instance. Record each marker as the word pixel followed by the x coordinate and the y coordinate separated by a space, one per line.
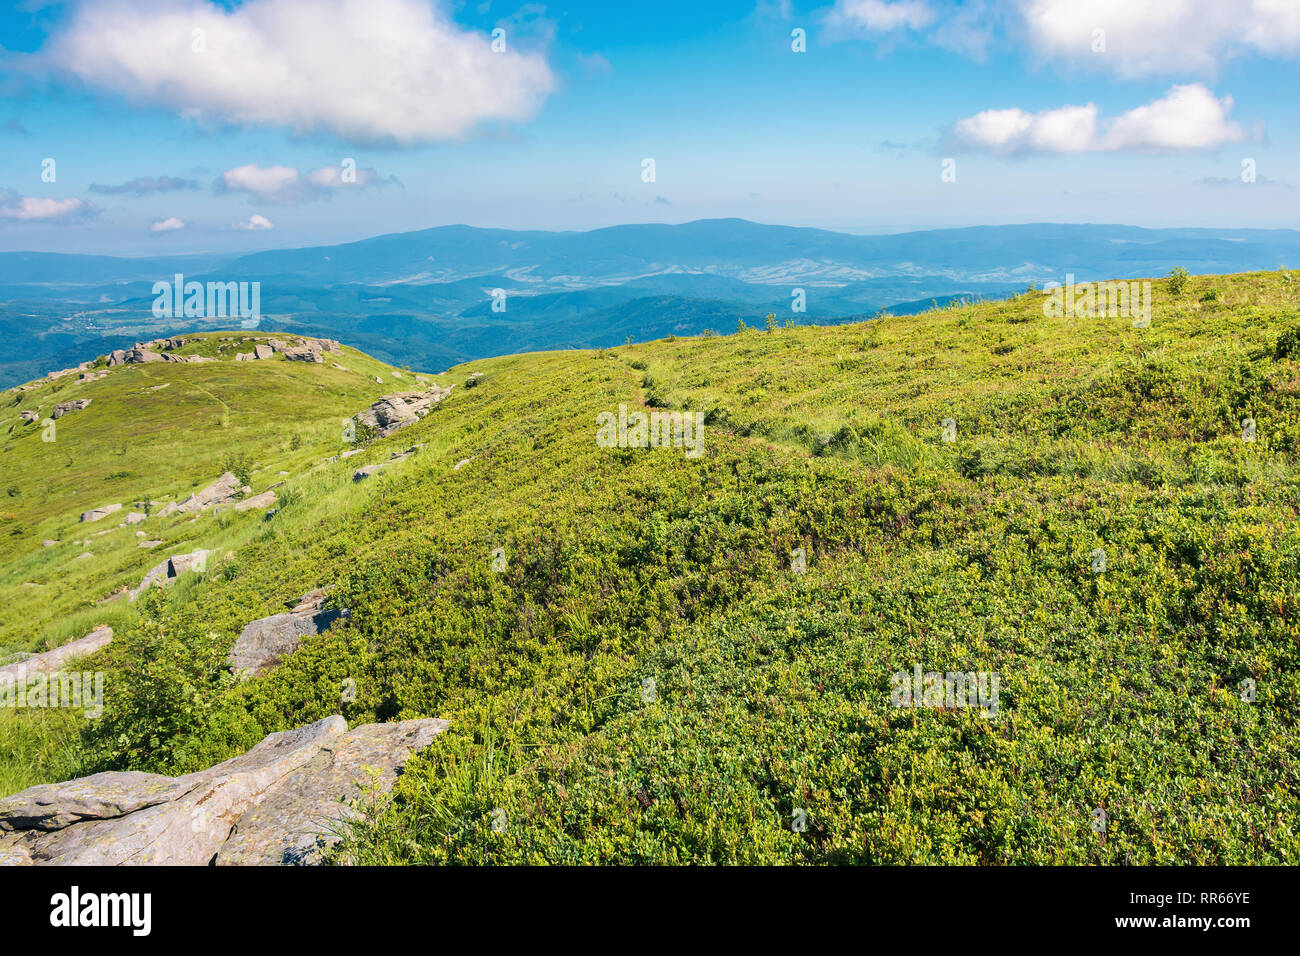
pixel 56 659
pixel 309 351
pixel 392 412
pixel 165 572
pixel 282 802
pixel 95 514
pixel 30 415
pixel 262 643
pixel 74 406
pixel 226 490
pixel 133 356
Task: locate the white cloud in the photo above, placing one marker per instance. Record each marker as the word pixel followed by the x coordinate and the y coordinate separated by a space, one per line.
pixel 966 27
pixel 1187 117
pixel 170 224
pixel 1162 36
pixel 881 16
pixel 382 71
pixel 39 209
pixel 285 184
pixel 254 223
pixel 275 183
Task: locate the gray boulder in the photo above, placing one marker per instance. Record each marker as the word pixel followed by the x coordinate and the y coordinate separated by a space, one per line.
pixel 96 513
pixel 74 406
pixel 166 571
pixel 262 643
pixel 281 802
pixel 224 491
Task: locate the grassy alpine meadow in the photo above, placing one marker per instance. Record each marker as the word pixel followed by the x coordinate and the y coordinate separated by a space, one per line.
pixel 649 656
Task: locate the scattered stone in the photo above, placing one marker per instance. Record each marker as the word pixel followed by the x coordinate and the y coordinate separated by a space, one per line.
pixel 55 660
pixel 257 501
pixel 226 490
pixel 48 543
pixel 390 412
pixel 148 544
pixel 31 416
pixel 133 517
pixel 262 643
pixel 74 406
pixel 263 351
pixel 96 513
pixel 361 474
pixel 84 554
pixel 461 464
pixel 165 572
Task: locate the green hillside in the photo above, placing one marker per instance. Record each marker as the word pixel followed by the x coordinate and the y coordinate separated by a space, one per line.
pixel 650 676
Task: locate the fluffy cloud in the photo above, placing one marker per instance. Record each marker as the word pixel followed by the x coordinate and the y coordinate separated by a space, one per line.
pixel 170 224
pixel 1137 37
pixel 274 183
pixel 254 223
pixel 1187 117
pixel 375 71
pixel 39 209
pixel 285 184
pixel 1161 36
pixel 145 185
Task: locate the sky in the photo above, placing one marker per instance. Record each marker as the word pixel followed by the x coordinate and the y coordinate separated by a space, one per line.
pixel 139 127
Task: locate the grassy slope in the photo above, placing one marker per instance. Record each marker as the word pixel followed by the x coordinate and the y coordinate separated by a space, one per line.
pixel 138 442
pixel 1119 690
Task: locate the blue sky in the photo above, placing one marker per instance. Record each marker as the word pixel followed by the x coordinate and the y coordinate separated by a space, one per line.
pixel 238 136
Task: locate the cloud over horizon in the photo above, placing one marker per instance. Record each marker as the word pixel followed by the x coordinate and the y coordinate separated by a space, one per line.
pixel 394 72
pixel 1187 117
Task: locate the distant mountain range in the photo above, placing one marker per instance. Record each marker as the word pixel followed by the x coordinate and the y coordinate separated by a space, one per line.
pixel 426 298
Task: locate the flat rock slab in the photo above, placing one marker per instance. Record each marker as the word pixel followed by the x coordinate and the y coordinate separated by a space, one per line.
pixel 55 659
pixel 278 803
pixel 96 513
pixel 301 819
